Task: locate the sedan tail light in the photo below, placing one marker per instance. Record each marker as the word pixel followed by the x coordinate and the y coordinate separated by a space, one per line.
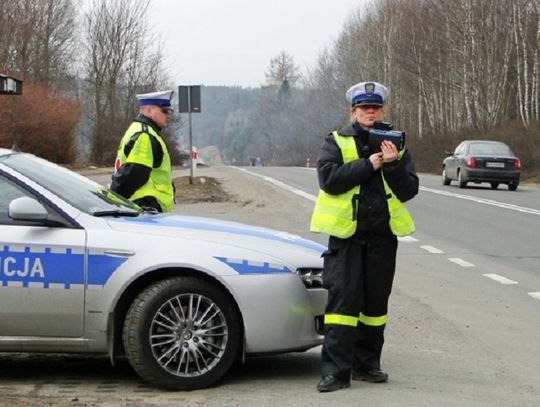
pixel 471 162
pixel 517 164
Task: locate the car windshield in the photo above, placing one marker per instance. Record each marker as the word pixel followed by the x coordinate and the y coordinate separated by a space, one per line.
pixel 81 192
pixel 490 149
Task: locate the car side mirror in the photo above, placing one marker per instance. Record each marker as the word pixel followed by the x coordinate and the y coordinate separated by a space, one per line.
pixel 27 209
pixel 448 152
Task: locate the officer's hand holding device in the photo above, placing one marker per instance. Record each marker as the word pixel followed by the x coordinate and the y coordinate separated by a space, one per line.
pixel 384 131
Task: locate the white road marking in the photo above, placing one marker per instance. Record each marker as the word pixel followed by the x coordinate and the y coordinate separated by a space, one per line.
pixel 431 249
pixel 460 262
pixel 281 185
pixel 483 201
pixel 408 239
pixel 500 279
pixel 303 194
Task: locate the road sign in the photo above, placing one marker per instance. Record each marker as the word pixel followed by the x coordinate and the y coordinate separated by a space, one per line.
pixel 189 99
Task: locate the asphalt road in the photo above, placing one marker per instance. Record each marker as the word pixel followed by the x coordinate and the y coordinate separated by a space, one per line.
pixel 498 224
pixel 463 322
pixel 472 270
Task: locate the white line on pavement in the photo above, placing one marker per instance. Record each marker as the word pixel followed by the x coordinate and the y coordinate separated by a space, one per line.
pixel 303 194
pixel 500 279
pixel 535 295
pixel 408 239
pixel 281 185
pixel 483 201
pixel 460 262
pixel 431 249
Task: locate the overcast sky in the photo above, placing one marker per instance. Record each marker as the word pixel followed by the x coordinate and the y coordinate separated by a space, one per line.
pixel 231 42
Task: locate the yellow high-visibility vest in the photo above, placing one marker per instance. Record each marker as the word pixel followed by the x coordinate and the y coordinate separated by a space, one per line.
pixel 335 215
pixel 159 184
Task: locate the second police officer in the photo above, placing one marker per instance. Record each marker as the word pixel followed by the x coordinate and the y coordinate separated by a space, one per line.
pixel 360 205
pixel 143 172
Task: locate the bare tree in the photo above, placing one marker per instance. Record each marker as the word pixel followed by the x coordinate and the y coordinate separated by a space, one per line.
pixel 526 37
pixel 448 62
pixel 270 115
pixel 36 39
pixel 282 69
pixel 121 61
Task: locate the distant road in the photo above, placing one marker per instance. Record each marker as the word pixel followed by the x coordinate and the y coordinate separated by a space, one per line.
pixel 495 223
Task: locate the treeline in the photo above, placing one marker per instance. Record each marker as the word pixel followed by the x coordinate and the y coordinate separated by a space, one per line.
pixel 37 45
pixel 81 70
pixel 455 68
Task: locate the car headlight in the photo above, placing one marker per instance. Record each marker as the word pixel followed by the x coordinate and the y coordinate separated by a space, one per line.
pixel 311 277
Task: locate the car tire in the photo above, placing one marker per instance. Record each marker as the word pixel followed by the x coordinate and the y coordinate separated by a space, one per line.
pixel 445 179
pixel 461 183
pixel 182 333
pixel 494 185
pixel 512 186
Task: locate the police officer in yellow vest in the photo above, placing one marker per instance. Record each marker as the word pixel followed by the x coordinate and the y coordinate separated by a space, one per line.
pixel 360 205
pixel 143 172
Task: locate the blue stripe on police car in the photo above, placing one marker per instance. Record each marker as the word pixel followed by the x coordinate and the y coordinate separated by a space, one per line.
pixel 245 267
pixel 47 267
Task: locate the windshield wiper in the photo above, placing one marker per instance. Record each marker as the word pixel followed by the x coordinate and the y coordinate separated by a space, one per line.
pixel 117 213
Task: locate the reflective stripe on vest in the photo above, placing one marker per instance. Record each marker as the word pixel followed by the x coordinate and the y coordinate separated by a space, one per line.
pixel 159 184
pixel 335 215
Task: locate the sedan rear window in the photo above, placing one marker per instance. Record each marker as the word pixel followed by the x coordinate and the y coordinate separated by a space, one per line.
pixel 490 149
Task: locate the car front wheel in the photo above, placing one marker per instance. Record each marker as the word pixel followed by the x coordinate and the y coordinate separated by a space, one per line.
pixel 182 333
pixel 494 185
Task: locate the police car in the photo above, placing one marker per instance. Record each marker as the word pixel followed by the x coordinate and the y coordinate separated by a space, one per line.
pixel 83 270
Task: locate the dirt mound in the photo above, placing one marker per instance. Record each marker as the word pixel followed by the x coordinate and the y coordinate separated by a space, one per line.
pixel 200 189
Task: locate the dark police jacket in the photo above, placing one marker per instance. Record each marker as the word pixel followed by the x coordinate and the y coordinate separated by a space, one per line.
pixel 335 177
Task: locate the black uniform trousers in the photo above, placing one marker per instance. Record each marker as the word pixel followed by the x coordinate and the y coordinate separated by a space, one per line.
pixel 358 273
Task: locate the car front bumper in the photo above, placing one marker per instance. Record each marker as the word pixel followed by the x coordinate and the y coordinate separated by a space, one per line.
pixel 280 314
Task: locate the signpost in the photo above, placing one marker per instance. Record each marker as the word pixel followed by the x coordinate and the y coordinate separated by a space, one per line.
pixel 189 101
pixel 11 86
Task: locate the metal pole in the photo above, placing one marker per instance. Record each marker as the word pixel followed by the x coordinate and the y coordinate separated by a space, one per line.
pixel 191 161
pixel 190 135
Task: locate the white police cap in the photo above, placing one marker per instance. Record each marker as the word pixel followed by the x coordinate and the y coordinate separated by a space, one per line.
pixel 161 98
pixel 367 93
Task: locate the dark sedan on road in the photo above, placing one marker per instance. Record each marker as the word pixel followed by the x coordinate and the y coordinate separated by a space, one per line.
pixel 480 161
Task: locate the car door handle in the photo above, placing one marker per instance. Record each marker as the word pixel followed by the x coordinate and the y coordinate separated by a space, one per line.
pixel 119 253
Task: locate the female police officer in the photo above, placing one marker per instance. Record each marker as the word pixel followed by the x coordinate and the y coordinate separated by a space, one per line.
pixel 360 205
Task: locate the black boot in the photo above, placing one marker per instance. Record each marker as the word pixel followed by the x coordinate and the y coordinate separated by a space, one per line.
pixel 372 375
pixel 331 383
